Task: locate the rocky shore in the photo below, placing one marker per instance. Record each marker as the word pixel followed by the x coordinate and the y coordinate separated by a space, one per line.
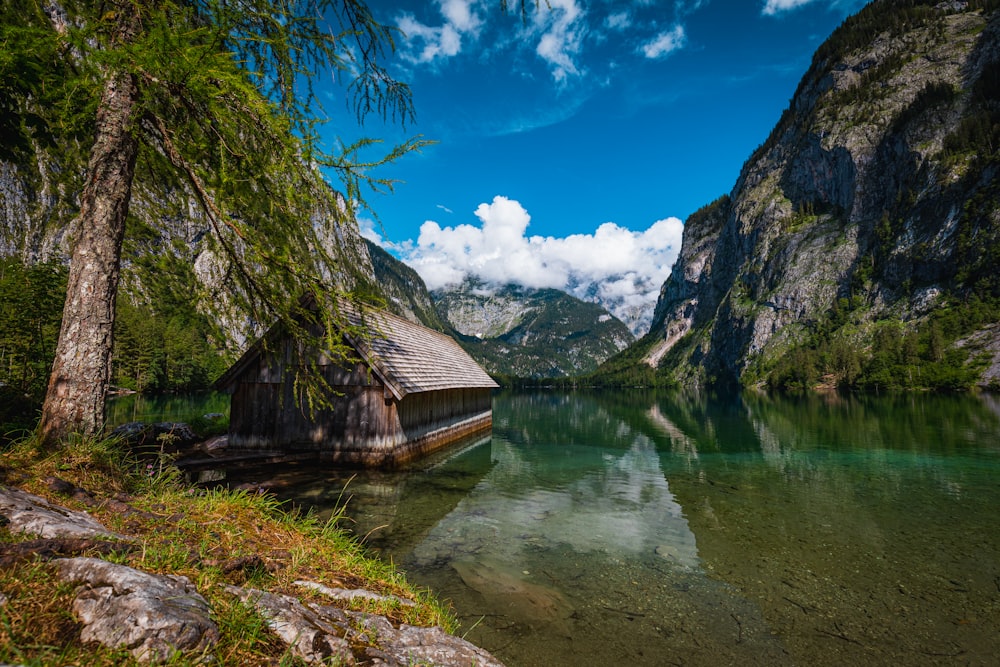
pixel 160 617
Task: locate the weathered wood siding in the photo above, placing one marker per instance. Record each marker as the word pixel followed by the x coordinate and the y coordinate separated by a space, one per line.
pixel 367 425
pixel 420 413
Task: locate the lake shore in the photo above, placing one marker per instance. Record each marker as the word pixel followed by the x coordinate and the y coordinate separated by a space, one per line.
pixel 227 546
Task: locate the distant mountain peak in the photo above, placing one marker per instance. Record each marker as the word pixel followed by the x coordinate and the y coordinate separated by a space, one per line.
pixel 510 329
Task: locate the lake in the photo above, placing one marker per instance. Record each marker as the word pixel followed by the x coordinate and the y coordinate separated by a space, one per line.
pixel 637 528
pixel 164 407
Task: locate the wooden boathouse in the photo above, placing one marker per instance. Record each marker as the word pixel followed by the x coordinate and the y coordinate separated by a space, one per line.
pixel 411 391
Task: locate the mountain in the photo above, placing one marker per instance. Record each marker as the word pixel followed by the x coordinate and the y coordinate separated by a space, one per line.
pixel 510 331
pixel 526 332
pixel 169 254
pixel 404 290
pixel 630 305
pixel 184 310
pixel 860 245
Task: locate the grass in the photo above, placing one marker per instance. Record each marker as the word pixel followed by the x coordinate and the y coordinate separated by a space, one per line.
pixel 213 537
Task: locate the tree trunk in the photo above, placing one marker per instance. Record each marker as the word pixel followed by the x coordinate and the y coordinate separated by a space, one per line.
pixel 74 401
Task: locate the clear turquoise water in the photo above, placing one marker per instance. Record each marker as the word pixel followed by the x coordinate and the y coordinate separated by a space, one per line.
pixel 634 528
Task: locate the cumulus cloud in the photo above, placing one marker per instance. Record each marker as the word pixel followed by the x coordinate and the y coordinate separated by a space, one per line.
pixel 774 7
pixel 665 43
pixel 425 44
pixel 366 227
pixel 614 265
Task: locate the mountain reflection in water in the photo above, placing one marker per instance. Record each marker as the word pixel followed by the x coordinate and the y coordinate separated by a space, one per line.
pixel 637 528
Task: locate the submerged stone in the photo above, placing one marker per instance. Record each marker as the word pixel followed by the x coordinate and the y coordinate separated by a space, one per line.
pixel 521 600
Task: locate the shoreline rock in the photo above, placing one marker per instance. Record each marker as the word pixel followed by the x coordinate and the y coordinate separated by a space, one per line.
pixel 155 616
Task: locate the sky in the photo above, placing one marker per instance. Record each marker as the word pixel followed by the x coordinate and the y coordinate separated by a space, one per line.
pixel 573 142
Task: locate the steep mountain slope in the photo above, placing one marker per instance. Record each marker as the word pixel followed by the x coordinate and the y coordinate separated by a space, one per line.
pixel 528 332
pixel 274 220
pixel 168 251
pixel 629 305
pixel 404 290
pixel 861 242
pixel 513 331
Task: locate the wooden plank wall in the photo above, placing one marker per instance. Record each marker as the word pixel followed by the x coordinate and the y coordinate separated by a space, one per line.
pixel 364 425
pixel 420 411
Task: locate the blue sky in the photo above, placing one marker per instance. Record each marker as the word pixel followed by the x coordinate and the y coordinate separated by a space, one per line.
pixel 590 115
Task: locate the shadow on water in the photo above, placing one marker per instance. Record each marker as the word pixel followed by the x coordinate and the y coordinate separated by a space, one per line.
pixel 648 528
pixel 164 407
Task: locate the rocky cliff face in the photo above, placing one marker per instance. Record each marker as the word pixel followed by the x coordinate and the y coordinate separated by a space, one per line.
pixel 168 238
pixel 512 331
pixel 873 199
pixel 527 332
pixel 47 125
pixel 637 316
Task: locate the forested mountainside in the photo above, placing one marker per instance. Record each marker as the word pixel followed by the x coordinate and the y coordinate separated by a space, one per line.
pixel 531 333
pixel 404 291
pixel 511 331
pixel 860 246
pixel 165 336
pixel 184 307
pixel 169 256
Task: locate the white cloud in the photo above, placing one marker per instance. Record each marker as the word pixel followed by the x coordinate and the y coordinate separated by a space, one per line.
pixel 619 21
pixel 425 44
pixel 774 7
pixel 618 265
pixel 366 227
pixel 665 43
pixel 562 24
pixel 460 14
pixel 687 8
pixel 556 30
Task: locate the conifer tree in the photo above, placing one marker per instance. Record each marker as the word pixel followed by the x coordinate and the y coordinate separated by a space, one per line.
pixel 215 99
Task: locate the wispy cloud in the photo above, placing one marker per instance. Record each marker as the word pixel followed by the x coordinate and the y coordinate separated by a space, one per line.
pixel 560 29
pixel 584 48
pixel 665 43
pixel 427 44
pixel 556 32
pixel 564 105
pixel 775 7
pixel 688 7
pixel 461 14
pixel 619 21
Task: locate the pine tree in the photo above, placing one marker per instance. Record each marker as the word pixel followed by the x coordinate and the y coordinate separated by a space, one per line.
pixel 214 98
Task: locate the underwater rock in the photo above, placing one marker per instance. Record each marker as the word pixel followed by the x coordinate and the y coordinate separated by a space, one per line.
pixel 522 600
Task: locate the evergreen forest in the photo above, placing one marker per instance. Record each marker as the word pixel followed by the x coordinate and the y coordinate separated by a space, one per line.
pixel 169 348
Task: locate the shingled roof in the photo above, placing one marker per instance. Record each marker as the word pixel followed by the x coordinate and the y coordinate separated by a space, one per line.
pixel 411 358
pixel 407 357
